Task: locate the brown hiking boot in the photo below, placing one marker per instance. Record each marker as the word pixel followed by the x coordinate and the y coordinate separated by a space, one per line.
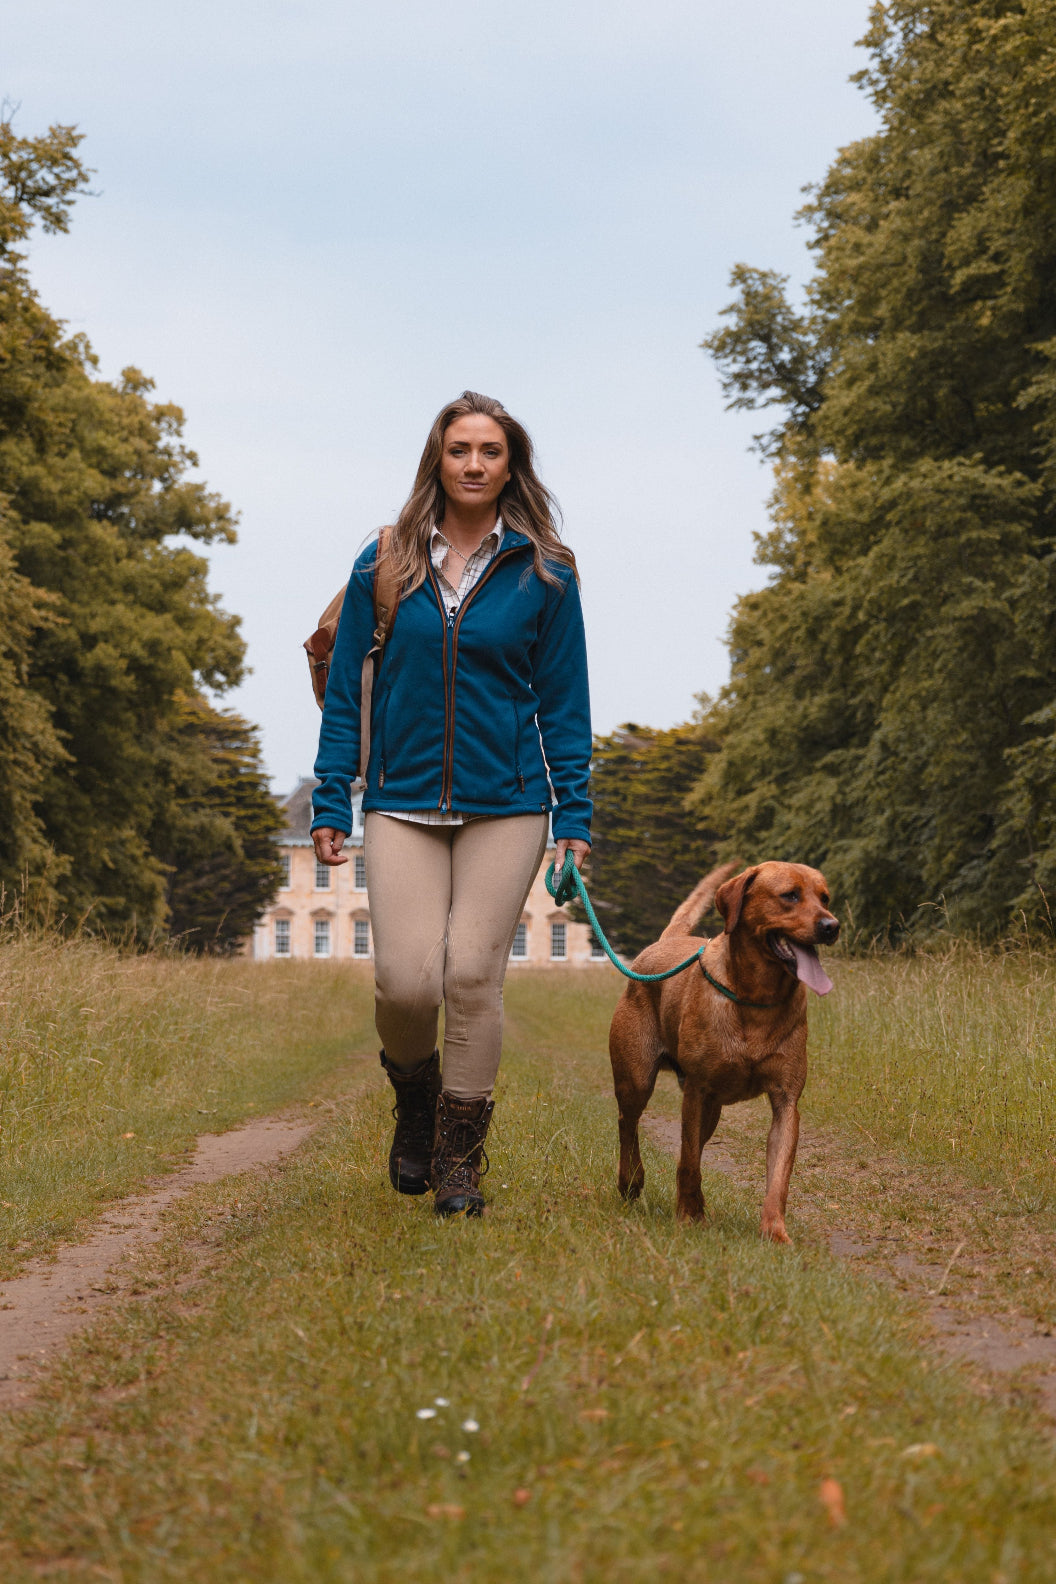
pixel 415 1113
pixel 461 1128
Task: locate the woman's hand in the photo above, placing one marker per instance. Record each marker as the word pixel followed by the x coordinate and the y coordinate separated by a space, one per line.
pixel 578 849
pixel 328 845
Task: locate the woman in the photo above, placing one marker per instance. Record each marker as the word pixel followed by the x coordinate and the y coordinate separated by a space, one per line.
pixel 480 728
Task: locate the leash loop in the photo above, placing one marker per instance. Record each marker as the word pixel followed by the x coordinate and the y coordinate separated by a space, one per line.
pixel 571 882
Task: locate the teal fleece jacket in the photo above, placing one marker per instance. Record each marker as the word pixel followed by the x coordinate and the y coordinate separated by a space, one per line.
pixel 485 711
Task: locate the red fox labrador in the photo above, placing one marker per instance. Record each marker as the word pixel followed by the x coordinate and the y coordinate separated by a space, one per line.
pixel 732 1027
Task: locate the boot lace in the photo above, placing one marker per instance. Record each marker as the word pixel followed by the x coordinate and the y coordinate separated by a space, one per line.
pixel 461 1139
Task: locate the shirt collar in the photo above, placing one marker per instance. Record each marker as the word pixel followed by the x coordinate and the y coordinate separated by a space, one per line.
pixel 496 534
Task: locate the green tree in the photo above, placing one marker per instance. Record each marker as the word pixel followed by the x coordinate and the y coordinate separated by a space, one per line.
pixel 648 853
pixel 216 837
pixel 890 714
pixel 94 490
pixel 28 744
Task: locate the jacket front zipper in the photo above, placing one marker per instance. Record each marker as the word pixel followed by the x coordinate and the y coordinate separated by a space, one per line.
pixel 452 622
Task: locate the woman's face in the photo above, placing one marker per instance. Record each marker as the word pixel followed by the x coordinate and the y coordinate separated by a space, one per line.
pixel 475 462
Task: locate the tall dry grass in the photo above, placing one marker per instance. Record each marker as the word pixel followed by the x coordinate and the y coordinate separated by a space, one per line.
pixel 111 1063
pixel 950 1055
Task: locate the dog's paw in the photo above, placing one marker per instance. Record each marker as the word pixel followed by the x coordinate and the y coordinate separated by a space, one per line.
pixel 774 1232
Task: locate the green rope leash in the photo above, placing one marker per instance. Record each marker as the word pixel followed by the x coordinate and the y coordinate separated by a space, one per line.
pixel 571 882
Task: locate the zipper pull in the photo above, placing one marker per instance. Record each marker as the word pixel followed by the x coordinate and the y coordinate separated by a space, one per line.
pixel 451 614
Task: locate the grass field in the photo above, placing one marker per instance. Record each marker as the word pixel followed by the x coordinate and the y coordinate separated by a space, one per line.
pixel 651 1402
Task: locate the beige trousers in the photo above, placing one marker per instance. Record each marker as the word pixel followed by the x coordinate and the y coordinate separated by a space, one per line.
pixel 445 901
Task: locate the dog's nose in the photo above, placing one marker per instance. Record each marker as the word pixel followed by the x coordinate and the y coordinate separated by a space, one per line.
pixel 827 931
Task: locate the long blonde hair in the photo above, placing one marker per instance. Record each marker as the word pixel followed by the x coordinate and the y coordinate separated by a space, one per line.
pixel 525 505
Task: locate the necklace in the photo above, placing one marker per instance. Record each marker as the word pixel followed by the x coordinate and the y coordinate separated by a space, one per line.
pixel 465 559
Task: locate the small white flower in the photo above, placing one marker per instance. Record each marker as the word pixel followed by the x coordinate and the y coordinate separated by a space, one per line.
pixel 470 1426
pixel 426 1413
pixel 441 1402
pixel 461 1457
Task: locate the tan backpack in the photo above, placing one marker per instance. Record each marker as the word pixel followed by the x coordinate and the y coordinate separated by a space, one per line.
pixel 320 646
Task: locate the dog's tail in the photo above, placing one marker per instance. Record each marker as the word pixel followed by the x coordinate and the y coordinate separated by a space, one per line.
pixel 685 918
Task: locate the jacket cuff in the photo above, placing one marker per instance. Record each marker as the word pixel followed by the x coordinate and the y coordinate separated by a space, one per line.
pixel 571 830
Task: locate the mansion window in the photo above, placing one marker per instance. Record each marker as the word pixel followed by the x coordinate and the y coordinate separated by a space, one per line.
pixel 322 937
pixel 359 878
pixel 322 876
pixel 284 867
pixel 558 945
pixel 520 941
pixel 282 937
pixel 361 938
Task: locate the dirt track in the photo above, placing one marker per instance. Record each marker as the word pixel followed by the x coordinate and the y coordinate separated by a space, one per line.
pixel 51 1299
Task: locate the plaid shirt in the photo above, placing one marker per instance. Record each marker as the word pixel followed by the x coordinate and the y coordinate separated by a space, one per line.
pixel 472 571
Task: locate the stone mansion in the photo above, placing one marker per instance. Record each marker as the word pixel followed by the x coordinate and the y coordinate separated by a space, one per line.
pixel 322 912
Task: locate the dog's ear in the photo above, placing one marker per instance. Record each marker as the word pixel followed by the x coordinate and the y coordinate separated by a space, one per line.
pixel 729 898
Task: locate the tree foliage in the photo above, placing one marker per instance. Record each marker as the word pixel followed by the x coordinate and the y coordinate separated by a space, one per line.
pixel 216 836
pixel 108 626
pixel 891 714
pixel 648 853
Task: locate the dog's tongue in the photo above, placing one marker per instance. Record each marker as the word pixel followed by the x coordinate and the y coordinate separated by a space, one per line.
pixel 809 970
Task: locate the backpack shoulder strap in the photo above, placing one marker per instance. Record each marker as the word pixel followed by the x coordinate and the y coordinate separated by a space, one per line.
pixel 386 604
pixel 386 591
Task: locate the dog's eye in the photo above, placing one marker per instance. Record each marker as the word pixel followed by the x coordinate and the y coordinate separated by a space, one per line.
pixel 790 896
pixel 824 899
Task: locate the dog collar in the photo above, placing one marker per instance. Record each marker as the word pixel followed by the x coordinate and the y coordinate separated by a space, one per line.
pixel 758 1006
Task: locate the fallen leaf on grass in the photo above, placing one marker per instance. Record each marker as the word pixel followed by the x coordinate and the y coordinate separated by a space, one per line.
pixel 758 1476
pixel 830 1494
pixel 128 1135
pixel 521 1497
pixel 444 1510
pixel 596 1414
pixel 921 1450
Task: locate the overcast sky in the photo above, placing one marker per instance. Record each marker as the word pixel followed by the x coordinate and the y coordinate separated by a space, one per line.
pixel 316 222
